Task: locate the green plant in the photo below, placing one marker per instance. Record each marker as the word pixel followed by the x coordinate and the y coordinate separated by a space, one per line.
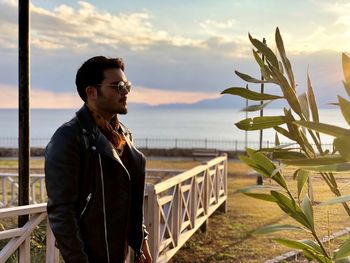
pixel 298 123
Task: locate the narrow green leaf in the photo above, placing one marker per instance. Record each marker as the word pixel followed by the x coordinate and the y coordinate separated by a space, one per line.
pixel 311 250
pixel 284 132
pixel 292 127
pixel 264 49
pixel 307 208
pixel 249 78
pixel 250 151
pixel 344 250
pixel 286 155
pixel 258 107
pixel 315 162
pixel 265 197
pixel 312 244
pixel 337 200
pixel 278 170
pixel 313 104
pixel 263 161
pixel 288 92
pixel 345 108
pixel 277 140
pixel 275 228
pixel 250 95
pixel 279 148
pixel 295 244
pixel 346 68
pixel 312 100
pixel 267 164
pixel 253 165
pixel 305 141
pixel 347 89
pixel 265 71
pixel 302 177
pixel 280 66
pixel 341 144
pixel 258 187
pixel 324 128
pixel 292 209
pixel 336 168
pixel 259 123
pixel 304 104
pixel 285 60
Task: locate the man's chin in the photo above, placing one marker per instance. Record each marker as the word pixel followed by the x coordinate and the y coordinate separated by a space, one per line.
pixel 123 111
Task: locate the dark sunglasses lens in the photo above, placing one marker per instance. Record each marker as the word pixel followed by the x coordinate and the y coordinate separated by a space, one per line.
pixel 122 86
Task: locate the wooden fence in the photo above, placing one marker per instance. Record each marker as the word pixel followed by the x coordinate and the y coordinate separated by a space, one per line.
pixel 177 207
pixel 174 210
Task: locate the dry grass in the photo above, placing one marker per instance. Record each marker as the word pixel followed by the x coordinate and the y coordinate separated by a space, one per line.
pixel 229 237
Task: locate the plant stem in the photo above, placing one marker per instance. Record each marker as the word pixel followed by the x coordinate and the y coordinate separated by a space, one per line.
pixel 321 244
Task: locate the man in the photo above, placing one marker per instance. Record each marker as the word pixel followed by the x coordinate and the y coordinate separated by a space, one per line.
pixel 94 175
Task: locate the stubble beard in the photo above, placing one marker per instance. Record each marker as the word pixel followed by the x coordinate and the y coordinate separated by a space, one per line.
pixel 123 111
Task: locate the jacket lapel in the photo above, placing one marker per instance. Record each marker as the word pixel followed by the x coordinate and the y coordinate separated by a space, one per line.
pixel 89 128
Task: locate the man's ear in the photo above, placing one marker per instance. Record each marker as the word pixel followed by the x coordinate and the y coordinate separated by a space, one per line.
pixel 91 92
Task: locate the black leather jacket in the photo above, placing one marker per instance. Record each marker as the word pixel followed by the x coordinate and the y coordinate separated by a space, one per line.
pixel 95 203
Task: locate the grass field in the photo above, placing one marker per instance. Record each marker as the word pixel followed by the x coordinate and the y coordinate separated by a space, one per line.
pixel 229 237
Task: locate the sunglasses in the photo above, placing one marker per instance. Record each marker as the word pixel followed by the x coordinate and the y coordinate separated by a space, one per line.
pixel 121 86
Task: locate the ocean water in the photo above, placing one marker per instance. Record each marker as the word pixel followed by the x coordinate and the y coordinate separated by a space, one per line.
pixel 170 126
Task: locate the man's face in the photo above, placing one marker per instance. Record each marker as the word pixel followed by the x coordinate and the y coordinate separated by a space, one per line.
pixel 109 99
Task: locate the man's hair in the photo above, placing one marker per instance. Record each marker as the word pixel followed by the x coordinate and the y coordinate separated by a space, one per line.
pixel 92 72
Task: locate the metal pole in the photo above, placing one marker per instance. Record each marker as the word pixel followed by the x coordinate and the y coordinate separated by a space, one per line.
pixel 23 103
pixel 261 102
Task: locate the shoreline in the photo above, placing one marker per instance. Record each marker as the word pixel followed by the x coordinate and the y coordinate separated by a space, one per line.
pixel 148 152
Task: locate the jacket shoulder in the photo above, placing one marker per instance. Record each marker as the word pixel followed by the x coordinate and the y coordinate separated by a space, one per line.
pixel 65 138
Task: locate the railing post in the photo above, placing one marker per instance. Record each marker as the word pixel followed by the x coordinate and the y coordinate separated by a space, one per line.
pixel 153 222
pixel 4 191
pixel 206 201
pixel 42 190
pixel 32 188
pixel 52 253
pixel 176 214
pixel 24 251
pixel 193 201
pixel 224 207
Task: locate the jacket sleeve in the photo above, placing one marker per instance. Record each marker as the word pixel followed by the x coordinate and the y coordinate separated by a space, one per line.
pixel 62 169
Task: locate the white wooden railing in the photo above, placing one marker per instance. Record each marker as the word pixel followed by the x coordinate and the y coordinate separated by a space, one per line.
pixel 19 238
pixel 174 210
pixel 177 207
pixel 9 189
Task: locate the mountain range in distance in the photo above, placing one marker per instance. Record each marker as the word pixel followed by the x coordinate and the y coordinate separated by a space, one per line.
pixel 223 102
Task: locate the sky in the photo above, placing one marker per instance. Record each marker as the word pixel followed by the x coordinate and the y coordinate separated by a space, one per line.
pixel 175 51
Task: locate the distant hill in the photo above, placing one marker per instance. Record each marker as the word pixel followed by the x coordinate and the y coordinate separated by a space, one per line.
pixel 224 102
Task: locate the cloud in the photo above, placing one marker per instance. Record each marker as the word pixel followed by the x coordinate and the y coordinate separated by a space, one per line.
pixel 66 27
pixel 212 26
pixel 39 98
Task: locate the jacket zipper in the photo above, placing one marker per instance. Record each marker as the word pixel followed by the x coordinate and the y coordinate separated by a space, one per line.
pixel 104 207
pixel 86 205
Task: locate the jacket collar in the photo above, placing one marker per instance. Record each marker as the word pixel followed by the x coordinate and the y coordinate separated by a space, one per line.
pixel 95 137
pixel 90 129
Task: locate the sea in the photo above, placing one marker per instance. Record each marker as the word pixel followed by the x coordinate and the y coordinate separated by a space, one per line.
pixel 162 128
